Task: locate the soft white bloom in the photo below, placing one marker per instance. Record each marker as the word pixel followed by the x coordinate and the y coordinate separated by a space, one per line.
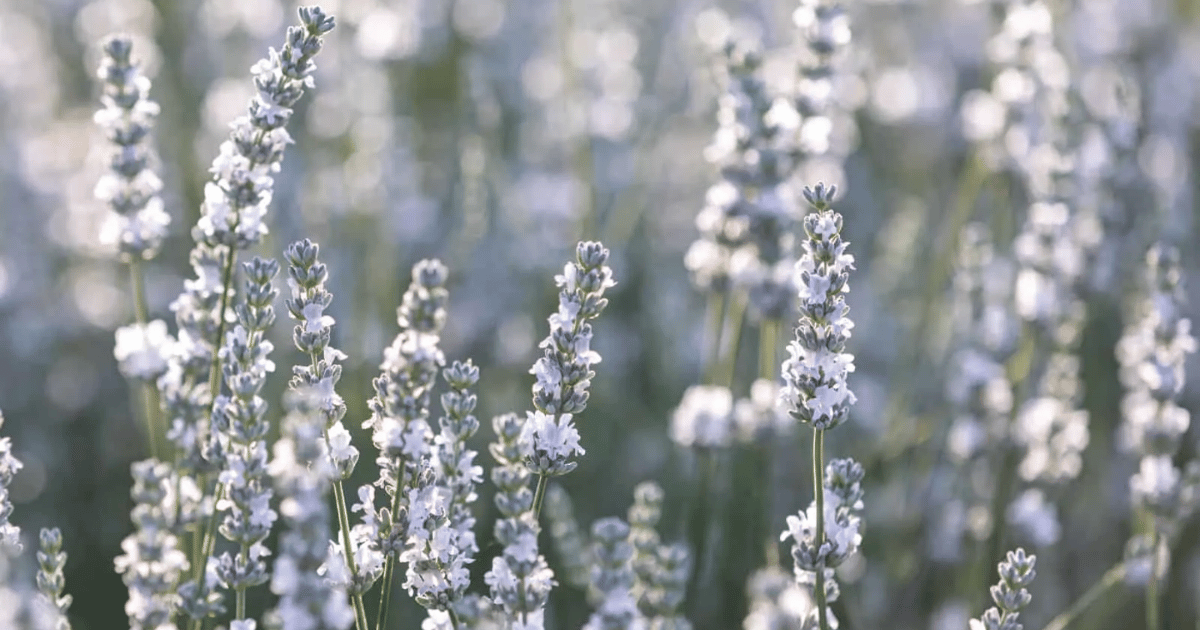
pixel 704 417
pixel 142 350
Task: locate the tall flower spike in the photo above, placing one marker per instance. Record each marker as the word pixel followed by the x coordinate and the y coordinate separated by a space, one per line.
pixel 519 580
pixel 570 542
pixel 613 578
pixel 437 574
pixel 236 199
pixel 240 425
pixel 815 388
pixel 50 580
pixel 152 562
pixel 136 223
pixel 10 535
pixel 1009 594
pixel 303 473
pixel 564 372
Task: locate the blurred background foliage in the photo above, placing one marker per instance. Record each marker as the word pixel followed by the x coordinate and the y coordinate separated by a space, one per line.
pixel 493 135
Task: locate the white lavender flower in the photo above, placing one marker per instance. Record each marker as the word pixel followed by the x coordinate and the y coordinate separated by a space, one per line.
pixel 303 474
pixel 152 562
pixel 704 417
pixel 815 388
pixel 564 371
pixel 760 418
pixel 1152 355
pixel 519 580
pixel 236 199
pixel 438 573
pixel 50 579
pixel 668 587
pixel 399 416
pixel 240 426
pixel 613 578
pixel 778 601
pixel 842 509
pixel 1009 594
pixel 142 350
pixel 136 223
pixel 312 336
pixel 10 535
pixel 644 516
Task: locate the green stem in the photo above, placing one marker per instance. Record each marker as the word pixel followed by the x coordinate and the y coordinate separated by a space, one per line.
pixel 718 305
pixel 767 367
pixel 240 611
pixel 149 405
pixel 208 533
pixel 819 493
pixel 1110 579
pixel 767 336
pixel 539 496
pixel 389 563
pixel 737 313
pixel 1152 587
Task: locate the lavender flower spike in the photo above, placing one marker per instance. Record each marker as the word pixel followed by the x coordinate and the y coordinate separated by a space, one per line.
pixel 815 388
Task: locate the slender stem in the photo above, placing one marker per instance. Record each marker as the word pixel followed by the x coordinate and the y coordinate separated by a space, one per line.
pixel 737 313
pixel 539 495
pixel 698 530
pixel 819 492
pixel 240 611
pixel 718 305
pixel 339 496
pixel 389 563
pixel 1152 587
pixel 768 333
pixel 768 366
pixel 149 404
pixel 1111 578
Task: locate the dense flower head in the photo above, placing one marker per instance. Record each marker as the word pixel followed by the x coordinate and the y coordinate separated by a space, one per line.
pixel 152 562
pixel 1152 354
pixel 236 199
pixel 50 579
pixel 303 474
pixel 1009 594
pixel 612 578
pixel 815 387
pixel 136 223
pixel 564 372
pixel 704 417
pixel 667 589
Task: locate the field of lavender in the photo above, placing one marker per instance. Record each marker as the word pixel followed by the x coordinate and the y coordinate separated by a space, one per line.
pixel 602 314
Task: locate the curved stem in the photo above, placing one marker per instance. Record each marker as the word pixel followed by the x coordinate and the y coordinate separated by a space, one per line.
pixel 819 493
pixel 1110 579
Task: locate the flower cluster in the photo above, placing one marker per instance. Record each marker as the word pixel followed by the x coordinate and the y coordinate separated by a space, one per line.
pixel 50 580
pixel 312 336
pixel 1152 354
pixel 240 426
pixel 612 578
pixel 760 418
pixel 231 219
pixel 777 601
pixel 400 428
pixel 644 516
pixel 667 588
pixel 842 509
pixel 564 372
pixel 153 562
pixel 746 224
pixel 136 223
pixel 519 580
pixel 815 388
pixel 303 474
pixel 704 417
pixel 438 575
pixel 1009 594
pixel 10 535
